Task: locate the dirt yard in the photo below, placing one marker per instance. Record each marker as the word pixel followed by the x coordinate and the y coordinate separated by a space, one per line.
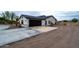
pixel 66 36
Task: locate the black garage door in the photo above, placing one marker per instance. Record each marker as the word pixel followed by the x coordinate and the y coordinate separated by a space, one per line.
pixel 34 22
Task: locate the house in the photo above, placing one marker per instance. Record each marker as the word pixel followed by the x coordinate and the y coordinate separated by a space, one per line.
pixel 27 20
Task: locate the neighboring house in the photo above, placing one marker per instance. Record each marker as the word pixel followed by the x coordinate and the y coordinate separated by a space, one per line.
pixel 27 21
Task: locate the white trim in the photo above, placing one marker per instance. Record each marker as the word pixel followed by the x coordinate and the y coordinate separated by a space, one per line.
pixel 43 22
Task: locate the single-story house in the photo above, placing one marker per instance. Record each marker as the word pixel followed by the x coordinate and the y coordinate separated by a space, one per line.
pixel 27 20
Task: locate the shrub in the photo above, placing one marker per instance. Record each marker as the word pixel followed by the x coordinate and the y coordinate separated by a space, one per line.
pixel 65 20
pixel 64 24
pixel 2 20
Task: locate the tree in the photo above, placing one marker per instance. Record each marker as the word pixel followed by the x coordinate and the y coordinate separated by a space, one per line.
pixel 9 15
pixel 6 15
pixel 74 20
pixel 17 23
pixel 13 16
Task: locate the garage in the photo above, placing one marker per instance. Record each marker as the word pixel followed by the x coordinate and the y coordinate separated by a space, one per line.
pixel 34 22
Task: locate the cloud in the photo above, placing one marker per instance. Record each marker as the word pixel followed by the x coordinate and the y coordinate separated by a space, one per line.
pixel 66 15
pixel 34 13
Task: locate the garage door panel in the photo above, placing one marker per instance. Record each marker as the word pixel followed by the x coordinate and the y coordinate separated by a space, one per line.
pixel 34 22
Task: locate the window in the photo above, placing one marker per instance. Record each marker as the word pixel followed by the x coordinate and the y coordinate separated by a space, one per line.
pixel 21 21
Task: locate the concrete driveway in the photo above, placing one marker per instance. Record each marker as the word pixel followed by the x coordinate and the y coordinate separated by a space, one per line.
pixel 44 28
pixel 12 35
pixel 2 27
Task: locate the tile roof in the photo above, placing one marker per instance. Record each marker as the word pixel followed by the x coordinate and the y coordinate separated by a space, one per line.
pixel 43 17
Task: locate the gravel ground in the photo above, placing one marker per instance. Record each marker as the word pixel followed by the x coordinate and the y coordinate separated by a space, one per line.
pixel 64 37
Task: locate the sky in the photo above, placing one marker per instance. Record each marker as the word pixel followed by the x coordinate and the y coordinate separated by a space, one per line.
pixel 60 15
pixel 61 9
